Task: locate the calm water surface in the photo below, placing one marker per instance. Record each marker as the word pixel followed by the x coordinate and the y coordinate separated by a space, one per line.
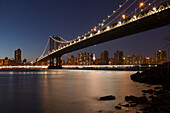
pixel 64 91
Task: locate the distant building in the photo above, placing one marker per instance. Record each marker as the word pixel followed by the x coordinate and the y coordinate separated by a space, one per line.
pixel 25 61
pixel 148 60
pixel 160 57
pixel 105 58
pixel 1 62
pixel 139 60
pixel 111 61
pixel 130 59
pixel 97 62
pixel 134 60
pixel 72 60
pixel 85 58
pixel 63 62
pixel 18 56
pixel 118 58
pixel 43 63
pixel 11 62
pixel 6 61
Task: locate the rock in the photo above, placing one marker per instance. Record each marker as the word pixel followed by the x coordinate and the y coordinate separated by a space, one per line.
pixel 158 87
pixel 126 105
pixel 138 100
pixel 133 104
pixel 110 97
pixel 141 100
pixel 130 98
pixel 150 91
pixel 118 107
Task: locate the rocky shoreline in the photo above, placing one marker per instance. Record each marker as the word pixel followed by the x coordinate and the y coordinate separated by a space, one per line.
pixel 158 100
pixel 154 100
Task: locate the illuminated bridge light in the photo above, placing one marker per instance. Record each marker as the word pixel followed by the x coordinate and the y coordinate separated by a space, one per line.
pixel 95 29
pixel 154 8
pixel 120 22
pixel 98 31
pixel 134 16
pixel 91 34
pixel 108 27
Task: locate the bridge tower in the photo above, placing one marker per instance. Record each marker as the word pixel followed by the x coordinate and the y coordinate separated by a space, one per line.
pixel 58 58
pixel 51 49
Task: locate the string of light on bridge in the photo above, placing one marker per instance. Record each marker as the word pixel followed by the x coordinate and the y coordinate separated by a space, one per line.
pixel 142 6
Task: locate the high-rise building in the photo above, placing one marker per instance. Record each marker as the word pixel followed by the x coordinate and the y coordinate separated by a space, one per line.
pixel 72 60
pixel 1 62
pixel 18 56
pixel 130 59
pixel 134 60
pixel 118 58
pixel 105 58
pixel 160 57
pixel 85 58
pixel 148 60
pixel 139 60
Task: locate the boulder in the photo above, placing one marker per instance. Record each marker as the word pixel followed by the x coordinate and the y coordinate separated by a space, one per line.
pixel 118 107
pixel 110 97
pixel 138 100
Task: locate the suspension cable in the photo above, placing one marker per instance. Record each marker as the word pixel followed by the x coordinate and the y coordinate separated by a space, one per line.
pixel 109 16
pixel 120 13
pixel 135 9
pixel 59 41
pixel 45 48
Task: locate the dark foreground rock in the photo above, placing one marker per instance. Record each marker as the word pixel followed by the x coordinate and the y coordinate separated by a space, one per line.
pixel 159 101
pixel 110 97
pixel 118 107
pixel 138 100
pixel 158 75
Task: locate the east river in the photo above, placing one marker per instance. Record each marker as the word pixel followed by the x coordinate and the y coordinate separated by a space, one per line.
pixel 65 91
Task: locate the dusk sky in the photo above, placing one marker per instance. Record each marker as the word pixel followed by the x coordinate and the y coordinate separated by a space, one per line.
pixel 27 24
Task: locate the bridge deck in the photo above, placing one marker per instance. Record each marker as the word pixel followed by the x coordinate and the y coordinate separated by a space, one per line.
pixel 156 20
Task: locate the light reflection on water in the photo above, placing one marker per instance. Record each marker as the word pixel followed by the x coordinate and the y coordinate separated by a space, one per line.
pixel 64 91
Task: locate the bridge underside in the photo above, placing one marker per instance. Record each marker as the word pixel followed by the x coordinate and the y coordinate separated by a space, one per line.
pixel 141 25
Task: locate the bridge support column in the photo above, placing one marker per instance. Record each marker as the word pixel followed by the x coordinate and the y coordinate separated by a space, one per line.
pixel 58 62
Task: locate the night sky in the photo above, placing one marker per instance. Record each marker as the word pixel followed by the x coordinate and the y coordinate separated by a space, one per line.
pixel 27 24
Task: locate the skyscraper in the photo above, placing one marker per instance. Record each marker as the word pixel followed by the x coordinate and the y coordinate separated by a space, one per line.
pixel 85 58
pixel 118 58
pixel 160 57
pixel 72 60
pixel 105 58
pixel 18 56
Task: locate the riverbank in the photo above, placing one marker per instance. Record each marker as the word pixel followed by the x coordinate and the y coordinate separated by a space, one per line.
pixel 158 99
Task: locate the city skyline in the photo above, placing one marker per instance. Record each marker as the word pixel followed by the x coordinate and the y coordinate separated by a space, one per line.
pixel 22 28
pixel 160 57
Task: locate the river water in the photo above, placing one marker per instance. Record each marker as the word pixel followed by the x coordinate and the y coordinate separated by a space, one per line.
pixel 65 91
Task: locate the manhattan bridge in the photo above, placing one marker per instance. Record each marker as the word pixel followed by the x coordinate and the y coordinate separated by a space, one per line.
pixel 129 18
